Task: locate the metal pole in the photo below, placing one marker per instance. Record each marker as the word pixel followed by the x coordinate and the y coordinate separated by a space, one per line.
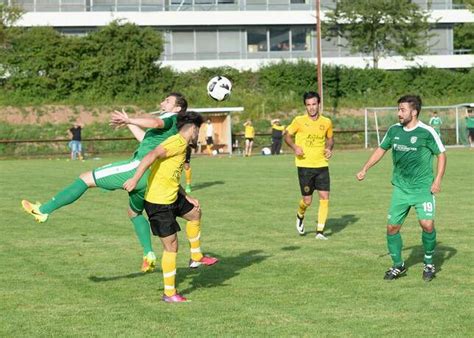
pixel 366 131
pixel 457 125
pixel 319 71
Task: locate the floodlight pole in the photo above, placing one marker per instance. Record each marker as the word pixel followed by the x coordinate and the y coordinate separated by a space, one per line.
pixel 319 70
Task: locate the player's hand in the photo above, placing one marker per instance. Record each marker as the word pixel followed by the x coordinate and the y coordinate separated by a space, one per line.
pixel 119 118
pixel 194 202
pixel 361 175
pixel 130 184
pixel 436 187
pixel 299 151
pixel 327 153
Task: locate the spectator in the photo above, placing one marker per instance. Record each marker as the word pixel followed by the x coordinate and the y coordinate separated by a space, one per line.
pixel 277 136
pixel 75 144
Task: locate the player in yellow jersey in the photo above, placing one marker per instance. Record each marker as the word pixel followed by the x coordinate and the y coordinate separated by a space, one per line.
pixel 249 136
pixel 313 144
pixel 165 200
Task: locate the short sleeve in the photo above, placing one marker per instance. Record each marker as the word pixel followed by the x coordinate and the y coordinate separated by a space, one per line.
pixel 386 143
pixel 329 132
pixel 293 127
pixel 434 143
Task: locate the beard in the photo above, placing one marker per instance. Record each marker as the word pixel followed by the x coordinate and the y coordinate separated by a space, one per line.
pixel 405 121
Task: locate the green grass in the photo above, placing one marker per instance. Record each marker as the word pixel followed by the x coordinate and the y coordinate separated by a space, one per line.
pixel 77 275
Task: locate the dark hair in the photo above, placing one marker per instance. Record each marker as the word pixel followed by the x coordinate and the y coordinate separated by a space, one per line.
pixel 189 117
pixel 413 100
pixel 310 95
pixel 180 101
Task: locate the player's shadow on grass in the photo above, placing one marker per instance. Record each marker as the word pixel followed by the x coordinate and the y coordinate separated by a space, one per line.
pixel 98 279
pixel 217 275
pixel 335 225
pixel 442 254
pixel 204 185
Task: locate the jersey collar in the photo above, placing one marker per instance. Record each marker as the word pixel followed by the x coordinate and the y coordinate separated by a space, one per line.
pixel 411 129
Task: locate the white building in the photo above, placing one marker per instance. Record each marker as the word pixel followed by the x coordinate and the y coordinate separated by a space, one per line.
pixel 240 33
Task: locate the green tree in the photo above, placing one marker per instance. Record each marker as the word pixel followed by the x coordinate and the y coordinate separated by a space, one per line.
pixel 379 27
pixel 8 16
pixel 121 59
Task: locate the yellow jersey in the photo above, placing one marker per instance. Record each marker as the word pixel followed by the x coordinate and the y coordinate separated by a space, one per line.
pixel 165 173
pixel 311 136
pixel 249 132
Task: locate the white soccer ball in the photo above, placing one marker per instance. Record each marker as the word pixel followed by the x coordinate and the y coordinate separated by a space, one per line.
pixel 219 88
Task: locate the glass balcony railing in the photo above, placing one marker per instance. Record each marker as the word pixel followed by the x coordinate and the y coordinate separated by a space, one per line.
pixel 187 5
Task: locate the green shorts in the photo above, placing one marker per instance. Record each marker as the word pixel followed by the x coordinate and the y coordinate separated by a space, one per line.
pixel 402 201
pixel 112 177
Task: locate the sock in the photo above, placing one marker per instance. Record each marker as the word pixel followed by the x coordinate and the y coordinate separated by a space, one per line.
pixel 67 196
pixel 193 232
pixel 208 148
pixel 322 214
pixel 188 174
pixel 302 206
pixel 142 230
pixel 395 244
pixel 429 244
pixel 168 265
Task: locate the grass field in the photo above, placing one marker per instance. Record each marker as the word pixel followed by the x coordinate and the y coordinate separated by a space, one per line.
pixel 77 274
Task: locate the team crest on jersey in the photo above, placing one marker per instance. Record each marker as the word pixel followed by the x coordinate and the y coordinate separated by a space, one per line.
pixel 413 139
pixel 321 127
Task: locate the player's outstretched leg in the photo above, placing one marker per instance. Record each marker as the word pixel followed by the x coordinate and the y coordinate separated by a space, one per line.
pixel 67 196
pixel 193 232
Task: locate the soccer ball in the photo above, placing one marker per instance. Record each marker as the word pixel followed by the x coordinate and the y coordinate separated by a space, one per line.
pixel 219 88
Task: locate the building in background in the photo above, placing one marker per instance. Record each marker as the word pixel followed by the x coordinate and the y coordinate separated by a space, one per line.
pixel 244 34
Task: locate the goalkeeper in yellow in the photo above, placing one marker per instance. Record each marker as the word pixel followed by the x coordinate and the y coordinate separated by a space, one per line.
pixel 313 143
pixel 165 199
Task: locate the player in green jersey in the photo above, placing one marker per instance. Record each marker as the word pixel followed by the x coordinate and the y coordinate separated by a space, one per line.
pixel 470 126
pixel 436 122
pixel 114 175
pixel 413 144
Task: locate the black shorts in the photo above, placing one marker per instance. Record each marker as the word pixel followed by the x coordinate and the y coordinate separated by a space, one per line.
pixel 471 132
pixel 162 217
pixel 250 139
pixel 209 141
pixel 312 179
pixel 188 155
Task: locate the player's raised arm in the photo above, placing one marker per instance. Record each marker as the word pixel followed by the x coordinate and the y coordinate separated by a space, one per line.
pixel 374 158
pixel 145 163
pixel 441 168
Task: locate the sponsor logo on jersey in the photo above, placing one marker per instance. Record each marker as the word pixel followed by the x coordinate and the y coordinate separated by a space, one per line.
pixel 404 148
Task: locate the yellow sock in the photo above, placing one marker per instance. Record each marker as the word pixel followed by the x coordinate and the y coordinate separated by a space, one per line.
pixel 322 214
pixel 193 231
pixel 168 264
pixel 302 208
pixel 188 174
pixel 208 148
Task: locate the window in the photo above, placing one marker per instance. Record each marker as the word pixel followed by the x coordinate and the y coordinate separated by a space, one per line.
pixel 279 39
pixel 229 44
pixel 257 40
pixel 300 39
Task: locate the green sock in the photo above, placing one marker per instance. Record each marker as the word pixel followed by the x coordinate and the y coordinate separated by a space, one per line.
pixel 67 196
pixel 142 229
pixel 395 244
pixel 429 244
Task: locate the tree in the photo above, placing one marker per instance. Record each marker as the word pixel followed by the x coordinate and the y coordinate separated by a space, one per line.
pixel 8 16
pixel 379 27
